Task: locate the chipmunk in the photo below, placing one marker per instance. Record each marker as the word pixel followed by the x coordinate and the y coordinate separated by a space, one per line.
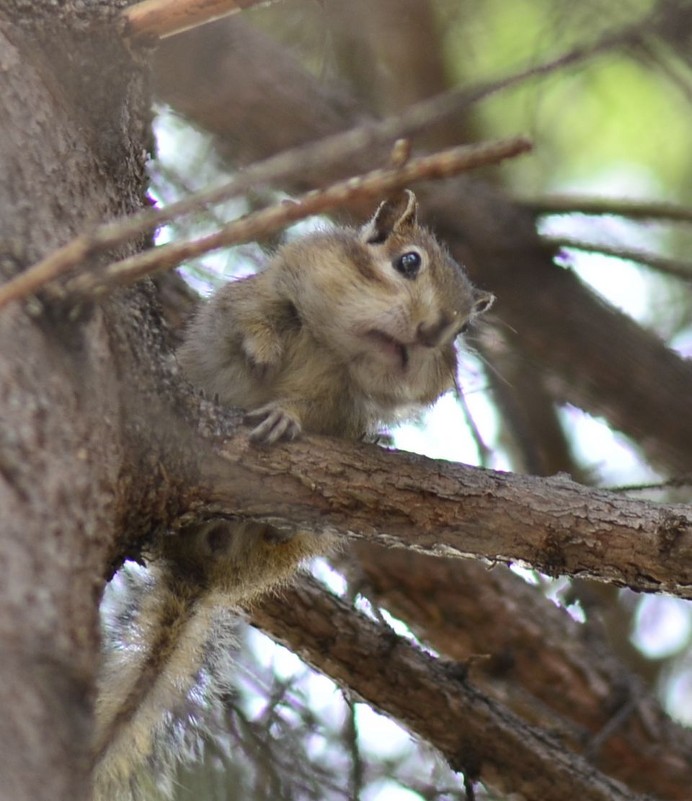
pixel 345 330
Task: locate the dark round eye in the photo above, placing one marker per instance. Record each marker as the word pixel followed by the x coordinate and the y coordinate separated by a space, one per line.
pixel 408 264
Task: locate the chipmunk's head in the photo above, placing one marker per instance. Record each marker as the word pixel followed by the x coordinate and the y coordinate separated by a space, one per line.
pixel 426 300
pixel 388 300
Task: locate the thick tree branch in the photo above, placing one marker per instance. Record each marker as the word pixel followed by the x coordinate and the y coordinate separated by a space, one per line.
pixel 434 699
pixel 360 491
pixel 531 656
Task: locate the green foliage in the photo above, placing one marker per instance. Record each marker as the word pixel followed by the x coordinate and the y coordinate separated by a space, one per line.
pixel 623 108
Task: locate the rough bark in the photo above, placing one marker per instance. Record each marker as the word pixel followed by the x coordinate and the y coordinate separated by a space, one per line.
pixel 62 442
pixel 556 525
pixel 525 653
pixel 432 698
pixel 529 655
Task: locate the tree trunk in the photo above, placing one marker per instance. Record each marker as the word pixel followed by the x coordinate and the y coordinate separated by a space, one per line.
pixel 73 114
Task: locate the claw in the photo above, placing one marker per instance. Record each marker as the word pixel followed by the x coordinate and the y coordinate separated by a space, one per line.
pixel 278 423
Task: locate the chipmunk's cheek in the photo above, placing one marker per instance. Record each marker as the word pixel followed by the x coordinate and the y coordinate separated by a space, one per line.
pixel 387 349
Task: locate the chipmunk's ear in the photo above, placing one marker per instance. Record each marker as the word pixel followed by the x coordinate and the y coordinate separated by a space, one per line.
pixel 482 302
pixel 396 214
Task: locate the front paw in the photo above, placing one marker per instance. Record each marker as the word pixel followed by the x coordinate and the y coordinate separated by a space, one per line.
pixel 278 422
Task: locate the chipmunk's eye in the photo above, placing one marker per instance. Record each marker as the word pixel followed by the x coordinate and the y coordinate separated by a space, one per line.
pixel 408 264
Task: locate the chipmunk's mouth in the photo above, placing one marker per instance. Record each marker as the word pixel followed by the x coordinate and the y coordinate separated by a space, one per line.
pixel 390 346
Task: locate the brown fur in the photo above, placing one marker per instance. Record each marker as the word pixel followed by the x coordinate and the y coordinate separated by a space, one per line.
pixel 320 333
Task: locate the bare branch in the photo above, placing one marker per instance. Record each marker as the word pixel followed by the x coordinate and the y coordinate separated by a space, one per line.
pixel 69 256
pixel 334 149
pixel 635 209
pixel 156 19
pixel 674 267
pixel 362 492
pixel 433 699
pixel 331 150
pixel 675 482
pixel 444 164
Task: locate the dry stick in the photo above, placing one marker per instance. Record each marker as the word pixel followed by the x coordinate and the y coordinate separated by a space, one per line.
pixel 156 19
pixel 674 267
pixel 671 483
pixel 337 148
pixel 444 164
pixel 636 209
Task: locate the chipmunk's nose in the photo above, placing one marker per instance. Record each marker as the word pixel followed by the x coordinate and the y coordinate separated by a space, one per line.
pixel 433 333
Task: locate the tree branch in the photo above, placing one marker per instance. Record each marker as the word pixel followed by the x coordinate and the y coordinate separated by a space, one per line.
pixel 432 698
pixel 65 259
pixel 620 207
pixel 363 492
pixel 533 658
pixel 443 164
pixel 156 19
pixel 675 267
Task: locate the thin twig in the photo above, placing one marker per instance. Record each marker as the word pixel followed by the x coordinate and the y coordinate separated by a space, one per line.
pixel 443 164
pixel 482 449
pixel 671 483
pixel 156 19
pixel 674 267
pixel 635 209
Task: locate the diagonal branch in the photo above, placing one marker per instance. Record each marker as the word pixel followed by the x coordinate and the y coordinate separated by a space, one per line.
pixel 76 252
pixel 434 699
pixel 156 19
pixel 532 657
pixel 443 164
